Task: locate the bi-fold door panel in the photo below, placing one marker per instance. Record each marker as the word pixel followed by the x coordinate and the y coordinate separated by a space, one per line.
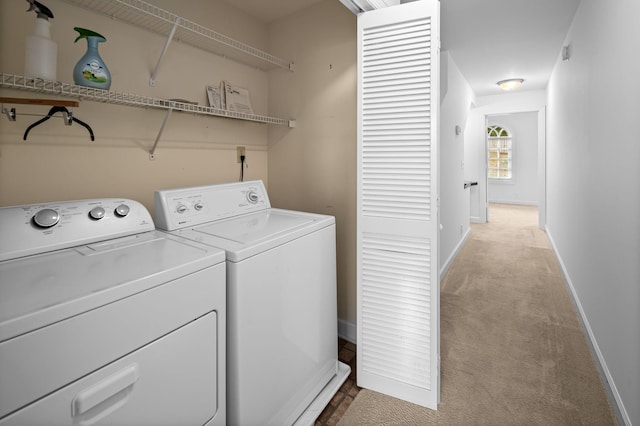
pixel 398 284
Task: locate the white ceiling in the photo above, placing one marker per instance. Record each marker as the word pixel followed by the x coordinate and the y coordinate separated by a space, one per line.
pixel 489 40
pixel 492 40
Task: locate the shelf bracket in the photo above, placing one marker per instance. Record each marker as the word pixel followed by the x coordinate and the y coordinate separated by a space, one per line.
pixel 154 73
pixel 152 153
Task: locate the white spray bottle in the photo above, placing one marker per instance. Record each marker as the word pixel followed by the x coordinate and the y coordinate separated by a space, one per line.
pixel 41 52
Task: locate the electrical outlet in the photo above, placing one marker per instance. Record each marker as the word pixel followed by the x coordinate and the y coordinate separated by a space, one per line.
pixel 240 151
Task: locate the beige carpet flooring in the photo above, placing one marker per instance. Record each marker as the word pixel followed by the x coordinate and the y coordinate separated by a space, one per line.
pixel 512 349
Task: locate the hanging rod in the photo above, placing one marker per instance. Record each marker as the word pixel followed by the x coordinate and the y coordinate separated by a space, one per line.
pixel 11 113
pixel 35 101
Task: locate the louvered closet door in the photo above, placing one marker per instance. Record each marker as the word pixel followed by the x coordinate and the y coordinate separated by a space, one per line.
pixel 398 284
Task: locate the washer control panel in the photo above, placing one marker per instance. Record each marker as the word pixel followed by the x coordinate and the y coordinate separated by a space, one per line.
pixel 38 228
pixel 185 207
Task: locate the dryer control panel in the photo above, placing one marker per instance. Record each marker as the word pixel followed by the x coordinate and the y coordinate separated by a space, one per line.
pixel 187 207
pixel 38 228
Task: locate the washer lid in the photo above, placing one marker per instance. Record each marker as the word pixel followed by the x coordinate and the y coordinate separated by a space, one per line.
pixel 255 227
pixel 247 235
pixel 38 290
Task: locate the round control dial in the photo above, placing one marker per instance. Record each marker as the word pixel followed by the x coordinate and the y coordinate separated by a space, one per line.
pixel 46 218
pixel 181 208
pixel 198 206
pixel 122 210
pixel 252 197
pixel 97 213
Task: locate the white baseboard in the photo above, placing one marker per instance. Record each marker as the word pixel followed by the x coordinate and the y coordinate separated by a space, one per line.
pixel 476 219
pixel 447 264
pixel 347 331
pixel 618 405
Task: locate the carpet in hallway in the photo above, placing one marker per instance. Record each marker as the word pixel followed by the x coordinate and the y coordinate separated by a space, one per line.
pixel 512 349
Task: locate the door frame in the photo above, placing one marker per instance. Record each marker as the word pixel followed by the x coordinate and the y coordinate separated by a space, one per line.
pixel 541 110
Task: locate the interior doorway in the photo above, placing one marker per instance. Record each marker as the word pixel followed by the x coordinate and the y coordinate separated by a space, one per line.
pixel 515 163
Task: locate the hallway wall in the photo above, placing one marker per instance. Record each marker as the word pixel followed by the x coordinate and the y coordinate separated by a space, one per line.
pixel 593 175
pixel 456 98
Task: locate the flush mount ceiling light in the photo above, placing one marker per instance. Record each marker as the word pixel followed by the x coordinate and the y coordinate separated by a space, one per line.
pixel 510 84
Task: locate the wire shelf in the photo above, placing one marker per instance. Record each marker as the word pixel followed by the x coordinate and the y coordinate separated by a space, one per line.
pixel 38 85
pixel 160 21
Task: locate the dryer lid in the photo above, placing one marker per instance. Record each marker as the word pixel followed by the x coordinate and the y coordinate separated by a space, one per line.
pixel 41 289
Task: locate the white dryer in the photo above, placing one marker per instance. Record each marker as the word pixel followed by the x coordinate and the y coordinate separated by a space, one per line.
pixel 104 320
pixel 282 365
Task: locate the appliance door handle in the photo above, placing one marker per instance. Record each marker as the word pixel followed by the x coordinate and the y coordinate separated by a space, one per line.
pixel 100 392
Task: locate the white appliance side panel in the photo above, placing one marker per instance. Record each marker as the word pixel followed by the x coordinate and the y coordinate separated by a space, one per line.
pixel 37 363
pixel 171 381
pixel 282 330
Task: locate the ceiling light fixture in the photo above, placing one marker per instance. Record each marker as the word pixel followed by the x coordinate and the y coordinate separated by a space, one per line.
pixel 510 84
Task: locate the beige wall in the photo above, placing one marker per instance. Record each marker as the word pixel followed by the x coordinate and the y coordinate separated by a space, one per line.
pixel 59 162
pixel 313 167
pixel 310 168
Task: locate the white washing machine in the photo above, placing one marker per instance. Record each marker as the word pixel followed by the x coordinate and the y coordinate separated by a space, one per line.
pixel 106 321
pixel 282 365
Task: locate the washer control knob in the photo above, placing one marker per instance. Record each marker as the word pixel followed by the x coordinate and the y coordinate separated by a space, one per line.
pixel 97 213
pixel 46 218
pixel 198 206
pixel 252 197
pixel 122 210
pixel 181 208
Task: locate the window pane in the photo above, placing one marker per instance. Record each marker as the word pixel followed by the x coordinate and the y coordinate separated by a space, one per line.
pixel 499 153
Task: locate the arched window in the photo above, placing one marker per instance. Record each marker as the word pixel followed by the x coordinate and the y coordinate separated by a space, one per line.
pixel 500 153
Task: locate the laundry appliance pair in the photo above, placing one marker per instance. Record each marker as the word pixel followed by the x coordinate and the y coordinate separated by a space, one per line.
pixel 229 317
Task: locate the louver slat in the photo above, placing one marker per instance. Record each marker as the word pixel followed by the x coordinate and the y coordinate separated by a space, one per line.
pixel 395 308
pixel 396 129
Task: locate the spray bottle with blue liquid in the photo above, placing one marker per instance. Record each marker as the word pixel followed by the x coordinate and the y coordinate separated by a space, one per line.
pixel 91 70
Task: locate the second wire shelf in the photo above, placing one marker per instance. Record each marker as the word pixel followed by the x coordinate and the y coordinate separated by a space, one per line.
pixel 59 88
